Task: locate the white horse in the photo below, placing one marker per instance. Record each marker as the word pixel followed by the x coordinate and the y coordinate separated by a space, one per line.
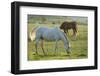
pixel 49 34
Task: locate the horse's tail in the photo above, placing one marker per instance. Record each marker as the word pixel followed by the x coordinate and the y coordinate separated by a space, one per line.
pixel 34 28
pixel 31 35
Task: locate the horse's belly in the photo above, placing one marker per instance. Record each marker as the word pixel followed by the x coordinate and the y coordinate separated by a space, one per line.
pixel 50 37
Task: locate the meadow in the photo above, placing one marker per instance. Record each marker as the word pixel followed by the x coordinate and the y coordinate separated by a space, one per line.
pixel 79 47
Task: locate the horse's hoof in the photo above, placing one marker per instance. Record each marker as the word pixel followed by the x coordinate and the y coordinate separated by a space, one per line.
pixel 34 54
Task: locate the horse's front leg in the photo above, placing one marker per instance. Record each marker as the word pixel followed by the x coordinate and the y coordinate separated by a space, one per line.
pixel 56 46
pixel 65 31
pixel 36 46
pixel 74 33
pixel 42 47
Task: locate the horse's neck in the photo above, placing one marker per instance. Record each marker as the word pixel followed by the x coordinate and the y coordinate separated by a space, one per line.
pixel 65 39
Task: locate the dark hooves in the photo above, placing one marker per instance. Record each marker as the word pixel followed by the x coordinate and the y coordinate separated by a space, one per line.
pixel 35 53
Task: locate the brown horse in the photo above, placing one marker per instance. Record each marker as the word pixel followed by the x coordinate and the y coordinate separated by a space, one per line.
pixel 65 26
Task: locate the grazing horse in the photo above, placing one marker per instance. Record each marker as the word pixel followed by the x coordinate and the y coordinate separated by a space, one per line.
pixel 65 26
pixel 49 34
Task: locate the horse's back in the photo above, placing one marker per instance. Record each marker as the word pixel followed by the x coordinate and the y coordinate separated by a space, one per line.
pixel 48 33
pixel 40 31
pixel 68 25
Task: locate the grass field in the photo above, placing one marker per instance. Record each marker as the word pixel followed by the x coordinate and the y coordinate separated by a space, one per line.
pixel 79 47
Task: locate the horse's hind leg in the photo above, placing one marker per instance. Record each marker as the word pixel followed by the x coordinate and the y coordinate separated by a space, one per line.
pixel 42 47
pixel 36 46
pixel 74 33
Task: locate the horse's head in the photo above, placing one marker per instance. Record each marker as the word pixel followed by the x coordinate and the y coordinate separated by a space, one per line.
pixel 61 27
pixel 69 49
pixel 67 43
